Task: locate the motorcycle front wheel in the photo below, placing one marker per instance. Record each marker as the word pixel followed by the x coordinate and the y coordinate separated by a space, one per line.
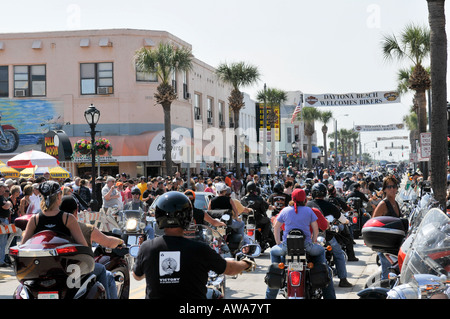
pixel 11 143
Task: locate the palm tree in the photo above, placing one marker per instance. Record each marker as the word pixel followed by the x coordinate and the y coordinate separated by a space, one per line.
pixel 165 60
pixel 274 97
pixel 325 117
pixel 413 45
pixel 309 115
pixel 345 137
pixel 238 74
pixel 439 154
pixel 410 121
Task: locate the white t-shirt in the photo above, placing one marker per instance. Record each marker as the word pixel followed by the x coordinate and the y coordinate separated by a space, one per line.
pixel 339 184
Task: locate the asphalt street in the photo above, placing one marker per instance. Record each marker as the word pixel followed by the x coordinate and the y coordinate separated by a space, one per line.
pixel 248 285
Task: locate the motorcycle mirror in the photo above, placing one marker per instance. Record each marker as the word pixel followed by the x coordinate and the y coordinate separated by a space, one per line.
pixel 133 250
pixel 251 250
pixel 330 218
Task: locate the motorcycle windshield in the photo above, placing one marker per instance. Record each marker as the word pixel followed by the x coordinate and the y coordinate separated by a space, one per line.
pixel 209 236
pixel 430 251
pixel 136 214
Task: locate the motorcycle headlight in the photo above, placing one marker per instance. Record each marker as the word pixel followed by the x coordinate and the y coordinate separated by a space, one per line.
pixel 405 291
pixel 141 225
pixel 131 224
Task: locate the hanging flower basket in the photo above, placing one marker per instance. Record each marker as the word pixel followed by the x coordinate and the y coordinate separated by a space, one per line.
pixel 294 156
pixel 102 146
pixel 82 147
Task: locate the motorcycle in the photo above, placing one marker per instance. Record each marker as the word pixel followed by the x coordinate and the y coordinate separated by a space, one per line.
pixel 425 270
pixel 9 138
pixel 216 285
pixel 358 215
pixel 297 278
pixel 233 239
pixel 132 224
pixel 337 229
pixel 119 262
pixel 50 266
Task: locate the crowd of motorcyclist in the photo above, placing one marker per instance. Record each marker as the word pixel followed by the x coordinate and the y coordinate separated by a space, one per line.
pixel 326 190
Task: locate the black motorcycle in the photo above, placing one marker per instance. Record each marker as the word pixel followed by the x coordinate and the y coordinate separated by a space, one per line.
pixel 119 262
pixel 233 239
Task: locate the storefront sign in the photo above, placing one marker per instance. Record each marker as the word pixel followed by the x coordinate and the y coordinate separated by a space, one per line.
pixel 57 144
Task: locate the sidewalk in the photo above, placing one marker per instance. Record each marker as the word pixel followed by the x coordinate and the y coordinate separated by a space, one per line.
pixel 358 272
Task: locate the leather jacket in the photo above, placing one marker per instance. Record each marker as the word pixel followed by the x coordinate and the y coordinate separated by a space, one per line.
pixel 259 206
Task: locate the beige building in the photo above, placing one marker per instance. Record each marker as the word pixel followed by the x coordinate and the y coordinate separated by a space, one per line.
pixel 48 80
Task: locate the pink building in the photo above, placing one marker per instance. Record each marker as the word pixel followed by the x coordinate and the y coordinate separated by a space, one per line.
pixel 48 80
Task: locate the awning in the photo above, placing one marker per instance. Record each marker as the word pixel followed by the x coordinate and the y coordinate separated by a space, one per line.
pixel 145 147
pixel 315 152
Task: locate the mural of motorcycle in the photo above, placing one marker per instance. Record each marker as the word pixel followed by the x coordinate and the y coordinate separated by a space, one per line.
pixel 9 138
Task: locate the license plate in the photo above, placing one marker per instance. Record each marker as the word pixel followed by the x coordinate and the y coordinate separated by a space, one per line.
pixel 295 266
pixel 48 295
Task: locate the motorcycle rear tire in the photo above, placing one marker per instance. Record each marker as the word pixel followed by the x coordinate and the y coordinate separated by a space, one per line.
pixel 12 146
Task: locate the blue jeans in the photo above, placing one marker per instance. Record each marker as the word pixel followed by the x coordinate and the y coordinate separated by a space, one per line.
pixel 385 264
pixel 3 240
pixel 106 278
pixel 317 254
pixel 339 258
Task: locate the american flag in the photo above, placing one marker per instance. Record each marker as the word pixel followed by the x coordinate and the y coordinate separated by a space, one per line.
pixel 298 109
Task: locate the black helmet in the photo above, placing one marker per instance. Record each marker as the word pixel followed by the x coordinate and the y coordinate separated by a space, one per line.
pixel 173 209
pixel 251 187
pixel 278 188
pixel 319 190
pixel 68 204
pixel 136 191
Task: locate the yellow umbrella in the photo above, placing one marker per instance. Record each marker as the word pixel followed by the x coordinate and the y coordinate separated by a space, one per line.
pixel 27 172
pixel 8 172
pixel 59 172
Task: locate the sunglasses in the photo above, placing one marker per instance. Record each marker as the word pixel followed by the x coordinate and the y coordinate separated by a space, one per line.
pixel 391 186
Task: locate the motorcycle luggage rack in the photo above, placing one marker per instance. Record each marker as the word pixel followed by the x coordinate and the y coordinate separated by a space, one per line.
pixel 295 241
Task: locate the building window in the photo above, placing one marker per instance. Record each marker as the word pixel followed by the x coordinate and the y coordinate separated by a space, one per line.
pixel 4 82
pixel 174 81
pixel 289 135
pixel 186 94
pixel 197 107
pixel 29 80
pixel 143 76
pixel 209 111
pixel 221 114
pixel 97 78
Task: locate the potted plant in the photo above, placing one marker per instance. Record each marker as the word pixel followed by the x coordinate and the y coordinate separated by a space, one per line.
pixel 82 146
pixel 102 146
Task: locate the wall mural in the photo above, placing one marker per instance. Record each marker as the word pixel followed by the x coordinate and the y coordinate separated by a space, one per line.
pixel 31 119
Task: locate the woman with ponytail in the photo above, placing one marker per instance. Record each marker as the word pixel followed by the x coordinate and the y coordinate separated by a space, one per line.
pixel 51 217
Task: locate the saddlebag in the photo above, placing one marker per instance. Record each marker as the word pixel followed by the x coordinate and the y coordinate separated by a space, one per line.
pixel 275 277
pixel 319 276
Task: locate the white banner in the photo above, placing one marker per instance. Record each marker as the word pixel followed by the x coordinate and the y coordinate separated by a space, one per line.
pixel 371 128
pixel 392 138
pixel 370 98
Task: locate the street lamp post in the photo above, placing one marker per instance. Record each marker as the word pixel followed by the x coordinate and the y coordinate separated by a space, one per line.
pixel 335 137
pixel 92 115
pixel 294 149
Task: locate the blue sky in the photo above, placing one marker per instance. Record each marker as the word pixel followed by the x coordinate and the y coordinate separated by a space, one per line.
pixel 316 47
